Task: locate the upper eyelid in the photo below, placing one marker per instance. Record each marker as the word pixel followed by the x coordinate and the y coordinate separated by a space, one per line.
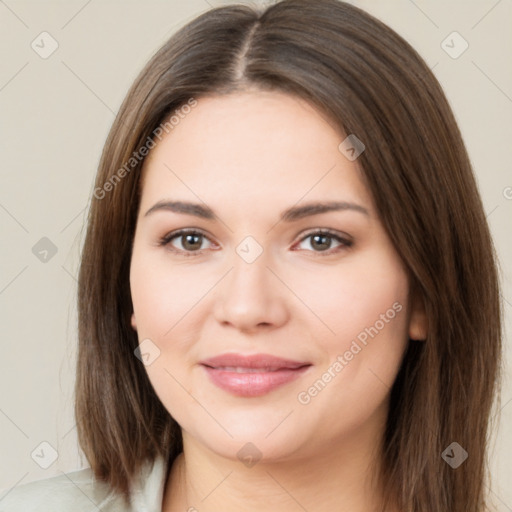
pixel 185 231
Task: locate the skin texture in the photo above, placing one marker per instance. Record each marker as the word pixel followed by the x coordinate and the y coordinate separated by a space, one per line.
pixel 249 156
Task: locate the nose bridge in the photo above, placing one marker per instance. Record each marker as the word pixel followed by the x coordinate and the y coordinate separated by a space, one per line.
pixel 248 271
pixel 250 294
pixel 249 279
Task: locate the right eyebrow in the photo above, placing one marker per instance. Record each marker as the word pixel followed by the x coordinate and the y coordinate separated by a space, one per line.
pixel 185 207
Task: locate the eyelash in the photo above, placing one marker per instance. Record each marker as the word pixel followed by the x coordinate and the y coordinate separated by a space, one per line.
pixel 345 242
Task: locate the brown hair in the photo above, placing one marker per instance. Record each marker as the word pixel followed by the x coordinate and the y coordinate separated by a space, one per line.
pixel 369 82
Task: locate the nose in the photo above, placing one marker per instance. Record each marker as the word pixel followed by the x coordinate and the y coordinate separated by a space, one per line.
pixel 251 297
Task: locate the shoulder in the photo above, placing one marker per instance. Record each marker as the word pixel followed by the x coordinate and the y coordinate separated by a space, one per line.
pixel 75 491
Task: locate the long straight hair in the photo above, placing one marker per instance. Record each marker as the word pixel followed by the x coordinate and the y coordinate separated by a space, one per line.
pixel 369 82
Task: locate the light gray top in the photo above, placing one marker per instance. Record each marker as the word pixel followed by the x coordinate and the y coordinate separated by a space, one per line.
pixel 80 492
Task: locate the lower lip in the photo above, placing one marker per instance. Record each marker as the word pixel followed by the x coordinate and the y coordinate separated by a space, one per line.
pixel 252 384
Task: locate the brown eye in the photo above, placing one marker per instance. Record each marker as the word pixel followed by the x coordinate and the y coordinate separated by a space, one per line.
pixel 190 241
pixel 321 241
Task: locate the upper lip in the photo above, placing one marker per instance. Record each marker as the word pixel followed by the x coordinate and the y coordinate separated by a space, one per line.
pixel 252 361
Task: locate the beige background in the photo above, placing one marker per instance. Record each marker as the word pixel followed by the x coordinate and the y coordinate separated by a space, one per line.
pixel 56 113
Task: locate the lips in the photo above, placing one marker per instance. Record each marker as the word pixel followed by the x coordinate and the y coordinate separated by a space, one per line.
pixel 252 375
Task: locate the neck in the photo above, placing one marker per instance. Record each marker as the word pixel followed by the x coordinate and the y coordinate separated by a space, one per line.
pixel 342 478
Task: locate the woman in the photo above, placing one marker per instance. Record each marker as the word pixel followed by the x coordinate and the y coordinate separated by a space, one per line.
pixel 288 296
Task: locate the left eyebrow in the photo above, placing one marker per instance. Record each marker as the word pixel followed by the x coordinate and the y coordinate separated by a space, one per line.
pixel 290 215
pixel 299 212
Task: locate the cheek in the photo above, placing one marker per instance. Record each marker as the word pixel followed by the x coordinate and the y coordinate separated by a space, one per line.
pixel 167 297
pixel 367 310
pixel 374 304
pixel 162 294
pixel 349 299
pixel 362 334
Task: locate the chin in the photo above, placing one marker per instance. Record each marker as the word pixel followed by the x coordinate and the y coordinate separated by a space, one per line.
pixel 251 450
pixel 254 436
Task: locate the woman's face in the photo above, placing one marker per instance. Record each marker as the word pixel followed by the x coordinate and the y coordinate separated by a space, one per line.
pixel 327 315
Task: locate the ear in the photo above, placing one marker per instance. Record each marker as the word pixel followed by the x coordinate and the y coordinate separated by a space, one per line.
pixel 133 322
pixel 418 321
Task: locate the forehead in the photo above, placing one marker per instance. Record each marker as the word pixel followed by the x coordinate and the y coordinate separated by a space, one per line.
pixel 248 146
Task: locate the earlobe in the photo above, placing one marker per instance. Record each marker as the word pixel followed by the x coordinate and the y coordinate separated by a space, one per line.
pixel 133 322
pixel 418 321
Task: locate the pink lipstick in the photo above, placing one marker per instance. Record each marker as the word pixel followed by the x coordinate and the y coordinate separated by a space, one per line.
pixel 252 375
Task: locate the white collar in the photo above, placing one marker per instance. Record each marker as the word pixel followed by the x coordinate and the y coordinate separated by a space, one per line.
pixel 148 487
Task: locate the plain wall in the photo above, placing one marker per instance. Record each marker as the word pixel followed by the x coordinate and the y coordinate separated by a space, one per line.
pixel 55 116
